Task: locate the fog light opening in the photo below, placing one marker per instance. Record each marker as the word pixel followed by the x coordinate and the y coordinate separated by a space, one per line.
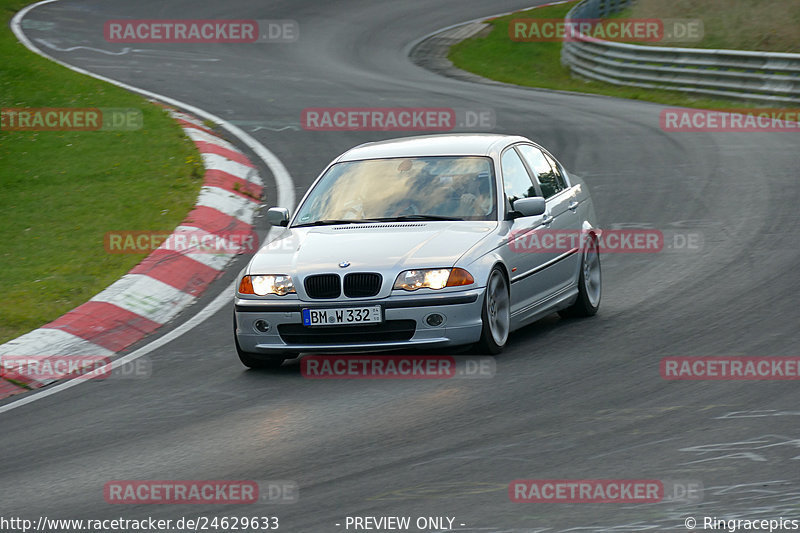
pixel 262 326
pixel 434 320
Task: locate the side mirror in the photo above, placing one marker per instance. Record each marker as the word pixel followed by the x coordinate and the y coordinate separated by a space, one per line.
pixel 278 216
pixel 529 207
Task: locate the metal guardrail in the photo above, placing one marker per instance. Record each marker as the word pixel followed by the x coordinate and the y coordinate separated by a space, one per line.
pixel 761 76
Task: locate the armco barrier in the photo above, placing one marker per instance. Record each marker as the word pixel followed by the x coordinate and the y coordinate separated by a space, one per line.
pixel 759 76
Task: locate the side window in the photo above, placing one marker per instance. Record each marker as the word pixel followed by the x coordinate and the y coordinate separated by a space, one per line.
pixel 516 180
pixel 559 176
pixel 550 182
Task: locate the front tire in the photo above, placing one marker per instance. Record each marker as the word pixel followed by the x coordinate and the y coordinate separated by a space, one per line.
pixel 495 314
pixel 256 361
pixel 590 283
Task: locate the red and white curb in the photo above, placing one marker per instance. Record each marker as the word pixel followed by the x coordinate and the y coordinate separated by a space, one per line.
pixel 167 281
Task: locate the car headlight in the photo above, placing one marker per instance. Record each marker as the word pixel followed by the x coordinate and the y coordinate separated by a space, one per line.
pixel 432 278
pixel 262 285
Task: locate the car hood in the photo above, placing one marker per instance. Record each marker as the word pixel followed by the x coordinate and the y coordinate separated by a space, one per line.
pixel 382 247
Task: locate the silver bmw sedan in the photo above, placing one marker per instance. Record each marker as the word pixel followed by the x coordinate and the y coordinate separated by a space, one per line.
pixel 421 242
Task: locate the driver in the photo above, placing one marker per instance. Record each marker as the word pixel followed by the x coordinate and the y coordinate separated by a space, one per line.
pixel 479 201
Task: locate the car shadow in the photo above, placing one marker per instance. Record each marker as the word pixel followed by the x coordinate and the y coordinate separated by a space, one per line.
pixel 518 346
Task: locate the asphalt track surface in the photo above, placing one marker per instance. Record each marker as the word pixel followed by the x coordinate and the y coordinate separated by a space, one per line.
pixel 571 399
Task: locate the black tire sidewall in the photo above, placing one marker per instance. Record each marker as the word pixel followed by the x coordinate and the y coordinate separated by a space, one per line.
pixel 487 342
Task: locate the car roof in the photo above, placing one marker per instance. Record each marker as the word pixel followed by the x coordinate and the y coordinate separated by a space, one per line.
pixel 481 144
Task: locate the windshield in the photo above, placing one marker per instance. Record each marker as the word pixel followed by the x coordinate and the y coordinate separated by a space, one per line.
pixel 446 188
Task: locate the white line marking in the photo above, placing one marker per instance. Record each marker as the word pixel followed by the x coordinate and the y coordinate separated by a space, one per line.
pixel 293 128
pixel 188 56
pixel 283 182
pixel 73 48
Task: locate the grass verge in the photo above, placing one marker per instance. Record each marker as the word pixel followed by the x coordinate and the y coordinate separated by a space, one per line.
pixel 767 26
pixel 538 64
pixel 61 191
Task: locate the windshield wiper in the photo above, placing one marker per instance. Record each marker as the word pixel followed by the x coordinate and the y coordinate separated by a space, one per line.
pixel 414 217
pixel 333 222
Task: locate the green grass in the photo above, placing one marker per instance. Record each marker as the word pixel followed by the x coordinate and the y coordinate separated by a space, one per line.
pixel 538 64
pixel 61 191
pixel 763 25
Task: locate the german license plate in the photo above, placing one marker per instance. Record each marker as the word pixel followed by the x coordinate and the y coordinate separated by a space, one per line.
pixel 339 317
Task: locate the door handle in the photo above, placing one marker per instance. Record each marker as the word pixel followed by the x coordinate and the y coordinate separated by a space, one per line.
pixel 547 219
pixel 573 205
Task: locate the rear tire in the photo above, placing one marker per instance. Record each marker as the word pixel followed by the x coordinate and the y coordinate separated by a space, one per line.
pixel 590 284
pixel 495 314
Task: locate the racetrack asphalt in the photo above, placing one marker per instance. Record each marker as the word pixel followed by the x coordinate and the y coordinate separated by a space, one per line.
pixel 571 399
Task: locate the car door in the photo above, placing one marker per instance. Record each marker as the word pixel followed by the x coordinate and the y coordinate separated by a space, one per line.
pixel 525 268
pixel 563 258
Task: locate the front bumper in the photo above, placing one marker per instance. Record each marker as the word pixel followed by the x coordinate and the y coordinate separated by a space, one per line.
pixel 403 326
